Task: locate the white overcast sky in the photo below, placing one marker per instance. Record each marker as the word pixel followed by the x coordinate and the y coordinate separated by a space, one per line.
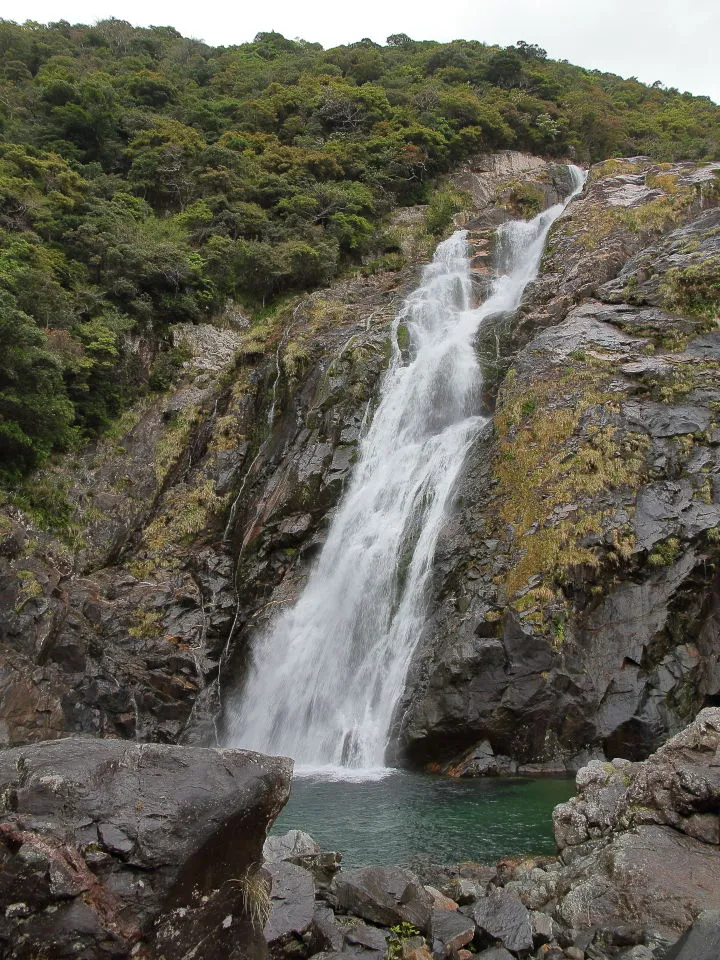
pixel 675 42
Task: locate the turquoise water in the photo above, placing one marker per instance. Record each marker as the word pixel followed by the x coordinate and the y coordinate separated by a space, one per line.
pixel 403 817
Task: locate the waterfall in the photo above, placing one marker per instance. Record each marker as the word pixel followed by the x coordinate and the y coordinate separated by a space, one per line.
pixel 326 676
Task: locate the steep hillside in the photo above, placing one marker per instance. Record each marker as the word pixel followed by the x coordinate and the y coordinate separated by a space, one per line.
pixel 187 526
pixel 147 179
pixel 575 599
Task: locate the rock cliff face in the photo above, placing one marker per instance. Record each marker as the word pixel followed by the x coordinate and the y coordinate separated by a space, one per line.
pixel 576 606
pixel 183 530
pixel 576 596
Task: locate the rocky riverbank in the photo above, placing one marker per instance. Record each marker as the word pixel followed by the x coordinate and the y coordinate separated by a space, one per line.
pixel 638 863
pixel 110 849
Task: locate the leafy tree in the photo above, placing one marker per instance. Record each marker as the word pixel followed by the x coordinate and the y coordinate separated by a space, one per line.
pixel 35 411
pixel 530 51
pixel 505 69
pixel 146 177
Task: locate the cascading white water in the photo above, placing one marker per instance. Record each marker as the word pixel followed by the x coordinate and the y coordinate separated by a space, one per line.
pixel 324 680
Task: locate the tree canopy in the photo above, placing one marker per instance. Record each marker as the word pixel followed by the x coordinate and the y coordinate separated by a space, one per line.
pixel 145 178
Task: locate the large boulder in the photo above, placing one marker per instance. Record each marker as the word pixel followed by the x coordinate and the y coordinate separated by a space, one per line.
pixel 100 839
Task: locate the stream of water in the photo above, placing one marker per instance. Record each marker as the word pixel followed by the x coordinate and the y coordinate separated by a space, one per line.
pixel 325 678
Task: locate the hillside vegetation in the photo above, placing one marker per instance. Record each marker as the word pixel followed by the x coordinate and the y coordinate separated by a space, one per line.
pixel 146 179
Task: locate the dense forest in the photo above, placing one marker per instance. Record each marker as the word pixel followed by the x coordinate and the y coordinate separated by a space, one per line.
pixel 146 179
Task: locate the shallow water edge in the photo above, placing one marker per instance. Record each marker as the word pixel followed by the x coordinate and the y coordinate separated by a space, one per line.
pixel 402 817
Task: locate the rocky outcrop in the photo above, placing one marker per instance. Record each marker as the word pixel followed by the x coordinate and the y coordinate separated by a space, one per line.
pixel 107 845
pixel 576 605
pixel 638 863
pixel 641 842
pixel 119 625
pixel 635 878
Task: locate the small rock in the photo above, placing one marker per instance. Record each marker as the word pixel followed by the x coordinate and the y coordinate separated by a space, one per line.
pixel 494 953
pixel 639 952
pixel 418 951
pixel 542 928
pixel 384 895
pixel 294 843
pixel 412 944
pixel 327 934
pixel 450 931
pixel 440 901
pixel 17 910
pixel 371 941
pixel 114 839
pixel 574 953
pixel 464 891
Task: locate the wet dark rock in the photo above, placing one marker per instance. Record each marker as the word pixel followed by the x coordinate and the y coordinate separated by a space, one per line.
pixel 535 661
pixel 292 896
pixel 99 838
pixel 449 931
pixel 384 895
pixel 501 916
pixel 701 941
